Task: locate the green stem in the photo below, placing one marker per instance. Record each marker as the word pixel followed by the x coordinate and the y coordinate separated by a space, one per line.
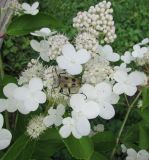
pixel 1 68
pixel 123 124
pixel 7 120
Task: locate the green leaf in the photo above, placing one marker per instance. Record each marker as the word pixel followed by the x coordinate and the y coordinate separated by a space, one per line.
pixel 26 23
pixel 145 95
pixel 104 141
pixel 144 137
pixel 145 115
pixel 16 149
pixel 79 148
pixel 27 152
pixel 49 143
pixel 98 156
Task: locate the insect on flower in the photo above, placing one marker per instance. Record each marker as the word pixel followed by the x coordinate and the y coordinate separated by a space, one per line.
pixel 68 83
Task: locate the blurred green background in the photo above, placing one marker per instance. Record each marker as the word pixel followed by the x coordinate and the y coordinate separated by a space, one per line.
pixel 131 20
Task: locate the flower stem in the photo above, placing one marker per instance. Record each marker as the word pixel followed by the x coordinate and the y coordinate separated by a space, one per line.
pixel 123 124
pixel 1 68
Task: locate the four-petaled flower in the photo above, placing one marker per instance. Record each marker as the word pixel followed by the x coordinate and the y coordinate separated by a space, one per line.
pixel 43 32
pixel 43 48
pixel 139 51
pixel 107 53
pixel 103 95
pixel 55 116
pixel 71 60
pixel 31 95
pixel 127 83
pixel 5 135
pixel 30 9
pixel 127 57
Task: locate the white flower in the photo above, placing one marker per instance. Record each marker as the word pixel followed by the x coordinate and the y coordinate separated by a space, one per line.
pixel 43 48
pixel 83 110
pixel 30 9
pixel 102 94
pixel 5 135
pixel 122 67
pixel 127 57
pixel 55 116
pixel 69 126
pixel 31 95
pixel 144 41
pixel 9 104
pixel 43 32
pixel 124 148
pixel 107 53
pixel 128 83
pixel 133 155
pixel 71 60
pixel 139 51
pixel 36 127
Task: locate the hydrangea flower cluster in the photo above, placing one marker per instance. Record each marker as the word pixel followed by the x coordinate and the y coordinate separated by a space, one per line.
pixel 98 19
pixel 86 67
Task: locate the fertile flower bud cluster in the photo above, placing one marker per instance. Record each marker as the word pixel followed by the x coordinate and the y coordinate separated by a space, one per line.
pixel 34 69
pixel 97 71
pixel 98 19
pixel 36 127
pixel 56 43
pixel 87 41
pixel 49 78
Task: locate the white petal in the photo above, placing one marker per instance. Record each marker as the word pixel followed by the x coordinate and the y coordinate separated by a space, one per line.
pixel 103 90
pixel 119 88
pixel 35 5
pixel 5 138
pixel 106 111
pixel 12 105
pixel 35 84
pixel 21 93
pixel 58 120
pixel 143 155
pixel 107 49
pixel 91 110
pixel 130 90
pixel 130 158
pixel 132 153
pixel 89 91
pixel 83 126
pixel 145 41
pixel 82 56
pixel 1 121
pixel 65 131
pixel 114 98
pixel 77 101
pixel 75 133
pixel 45 56
pixel 35 45
pixel 22 109
pixel 3 105
pixel 31 105
pixel 40 97
pixel 75 69
pixel 34 12
pixel 48 121
pixel 46 31
pixel 67 120
pixel 60 109
pixel 26 6
pixel 137 78
pixel 68 50
pixel 9 89
pixel 63 63
pixel 120 76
